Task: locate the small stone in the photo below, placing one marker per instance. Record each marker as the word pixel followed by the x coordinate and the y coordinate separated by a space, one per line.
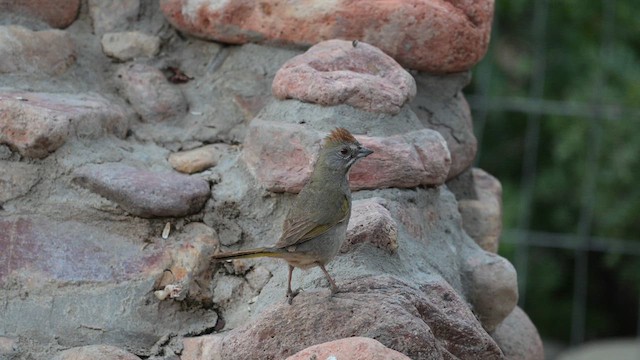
pixel 16 179
pixel 352 348
pixel 371 223
pixel 189 268
pixel 258 277
pixel 144 193
pixel 130 45
pixel 149 93
pixel 518 337
pixel 196 160
pixel 9 348
pixel 281 157
pixel 95 352
pixel 115 15
pixel 479 198
pixel 335 72
pixel 432 35
pixel 50 52
pixel 492 287
pixel 43 122
pixel 57 13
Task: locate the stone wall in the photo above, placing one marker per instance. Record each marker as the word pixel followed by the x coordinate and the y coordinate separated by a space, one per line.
pixel 139 138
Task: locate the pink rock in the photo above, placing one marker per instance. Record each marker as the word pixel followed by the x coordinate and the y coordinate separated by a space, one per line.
pixel 150 93
pixel 38 249
pixel 424 323
pixel 337 72
pixel 353 348
pixel 57 13
pixel 371 223
pixel 95 352
pixel 145 193
pixel 439 36
pixel 24 51
pixel 479 198
pixel 518 337
pixel 281 157
pixel 404 161
pixel 36 124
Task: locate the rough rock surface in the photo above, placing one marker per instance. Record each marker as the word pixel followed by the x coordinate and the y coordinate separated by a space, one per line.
pixel 434 36
pixel 108 16
pixel 371 223
pixel 281 156
pixel 479 198
pixel 518 337
pixel 145 193
pixel 56 13
pixel 441 106
pixel 149 93
pixel 95 352
pixel 16 179
pixel 36 124
pixel 78 269
pixel 353 348
pixel 420 322
pixel 50 52
pixel 130 45
pixel 342 72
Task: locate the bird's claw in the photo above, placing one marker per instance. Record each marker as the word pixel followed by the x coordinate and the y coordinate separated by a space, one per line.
pixel 291 295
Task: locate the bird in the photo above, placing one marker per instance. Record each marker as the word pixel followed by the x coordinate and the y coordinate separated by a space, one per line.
pixel 315 226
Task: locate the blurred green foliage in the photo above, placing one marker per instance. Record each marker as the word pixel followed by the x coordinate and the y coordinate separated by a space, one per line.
pixel 592 57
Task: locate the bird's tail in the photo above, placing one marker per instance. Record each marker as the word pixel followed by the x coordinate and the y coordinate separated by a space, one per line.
pixel 248 254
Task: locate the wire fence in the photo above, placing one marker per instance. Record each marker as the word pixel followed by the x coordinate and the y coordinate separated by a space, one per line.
pixel 536 109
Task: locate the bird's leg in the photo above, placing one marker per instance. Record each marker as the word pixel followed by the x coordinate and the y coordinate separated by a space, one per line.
pixel 291 294
pixel 334 288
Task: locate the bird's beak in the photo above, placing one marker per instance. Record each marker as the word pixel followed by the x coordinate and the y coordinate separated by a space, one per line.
pixel 364 152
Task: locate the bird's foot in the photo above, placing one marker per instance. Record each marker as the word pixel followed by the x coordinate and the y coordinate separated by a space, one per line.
pixel 291 295
pixel 334 289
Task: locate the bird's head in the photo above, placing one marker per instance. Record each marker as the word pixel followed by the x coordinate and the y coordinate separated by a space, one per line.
pixel 341 150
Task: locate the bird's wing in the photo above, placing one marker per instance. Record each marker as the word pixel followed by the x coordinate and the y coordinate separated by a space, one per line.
pixel 298 229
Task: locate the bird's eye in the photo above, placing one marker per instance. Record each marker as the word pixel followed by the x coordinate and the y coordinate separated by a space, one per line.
pixel 344 151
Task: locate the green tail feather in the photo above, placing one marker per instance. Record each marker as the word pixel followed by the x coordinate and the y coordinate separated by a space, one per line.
pixel 248 254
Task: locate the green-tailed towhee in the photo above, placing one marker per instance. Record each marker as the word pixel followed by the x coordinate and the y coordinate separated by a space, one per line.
pixel 316 224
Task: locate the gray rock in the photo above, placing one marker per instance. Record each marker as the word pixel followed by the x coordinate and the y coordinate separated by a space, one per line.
pixel 149 92
pixel 145 193
pixel 491 286
pixel 518 337
pixel 95 352
pixel 479 198
pixel 116 15
pixel 441 106
pixel 16 179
